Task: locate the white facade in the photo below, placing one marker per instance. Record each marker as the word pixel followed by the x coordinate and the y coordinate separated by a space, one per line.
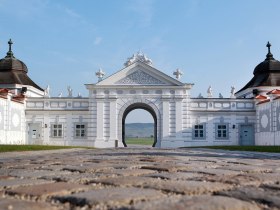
pixel 268 121
pixel 12 120
pixel 98 120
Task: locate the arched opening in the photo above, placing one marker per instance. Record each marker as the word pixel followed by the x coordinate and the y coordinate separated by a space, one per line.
pixel 144 107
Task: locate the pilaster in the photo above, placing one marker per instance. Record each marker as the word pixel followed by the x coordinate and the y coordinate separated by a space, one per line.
pixel 100 120
pixel 165 118
pixel 113 120
pixel 179 114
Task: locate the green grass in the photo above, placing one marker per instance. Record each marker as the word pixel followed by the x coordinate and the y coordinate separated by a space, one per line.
pixel 275 149
pixel 16 148
pixel 140 141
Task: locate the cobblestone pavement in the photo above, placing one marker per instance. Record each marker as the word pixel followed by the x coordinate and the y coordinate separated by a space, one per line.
pixel 139 178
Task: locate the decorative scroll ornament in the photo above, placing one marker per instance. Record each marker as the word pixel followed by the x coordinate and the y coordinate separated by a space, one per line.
pixel 140 77
pixel 139 56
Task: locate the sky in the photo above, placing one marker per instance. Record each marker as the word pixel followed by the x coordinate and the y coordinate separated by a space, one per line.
pixel 214 42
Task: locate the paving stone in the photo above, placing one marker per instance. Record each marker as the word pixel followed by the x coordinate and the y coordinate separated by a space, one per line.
pixel 199 203
pixel 275 187
pixel 217 171
pixel 128 172
pixel 13 204
pixel 20 182
pixel 124 181
pixel 166 167
pixel 187 187
pixel 110 195
pixel 46 189
pixel 267 177
pixel 90 168
pixel 5 177
pixel 175 176
pixel 248 168
pixel 36 173
pixel 5 171
pixel 240 179
pixel 263 195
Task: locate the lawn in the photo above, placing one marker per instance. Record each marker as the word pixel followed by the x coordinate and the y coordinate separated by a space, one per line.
pixel 275 149
pixel 14 148
pixel 140 141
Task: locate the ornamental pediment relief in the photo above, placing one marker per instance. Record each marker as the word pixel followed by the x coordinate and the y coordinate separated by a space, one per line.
pixel 140 78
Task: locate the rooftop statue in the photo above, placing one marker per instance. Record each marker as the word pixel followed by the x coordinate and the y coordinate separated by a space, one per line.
pixel 209 92
pixel 232 92
pixel 100 74
pixel 47 91
pixel 139 56
pixel 70 91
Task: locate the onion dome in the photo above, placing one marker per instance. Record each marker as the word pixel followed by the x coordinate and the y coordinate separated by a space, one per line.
pixel 267 73
pixel 11 63
pixel 14 71
pixel 269 64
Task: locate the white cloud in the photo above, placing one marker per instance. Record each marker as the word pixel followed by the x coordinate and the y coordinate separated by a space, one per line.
pixel 97 40
pixel 72 13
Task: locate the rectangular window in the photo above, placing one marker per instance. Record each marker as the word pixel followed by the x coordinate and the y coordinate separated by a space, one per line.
pixel 56 130
pixel 80 130
pixel 199 131
pixel 222 131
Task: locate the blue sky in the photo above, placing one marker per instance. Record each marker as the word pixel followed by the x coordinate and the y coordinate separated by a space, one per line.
pixel 214 42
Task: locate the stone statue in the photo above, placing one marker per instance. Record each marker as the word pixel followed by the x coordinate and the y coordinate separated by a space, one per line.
pixel 200 96
pixel 139 56
pixel 100 74
pixel 47 91
pixel 220 95
pixel 70 91
pixel 79 95
pixel 210 92
pixel 232 91
pixel 60 95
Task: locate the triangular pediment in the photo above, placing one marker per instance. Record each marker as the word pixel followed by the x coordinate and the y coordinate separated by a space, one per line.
pixel 140 73
pixel 140 77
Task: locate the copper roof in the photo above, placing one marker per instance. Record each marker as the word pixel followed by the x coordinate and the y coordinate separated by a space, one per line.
pixel 267 73
pixel 14 71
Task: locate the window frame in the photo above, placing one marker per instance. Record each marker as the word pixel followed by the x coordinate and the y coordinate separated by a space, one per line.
pixel 203 129
pixel 57 129
pixel 80 130
pixel 226 129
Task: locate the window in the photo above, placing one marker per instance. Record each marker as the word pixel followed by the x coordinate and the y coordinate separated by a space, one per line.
pixel 199 131
pixel 56 130
pixel 80 130
pixel 222 131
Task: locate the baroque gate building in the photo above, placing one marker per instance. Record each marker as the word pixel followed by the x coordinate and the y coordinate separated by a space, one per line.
pixel 28 115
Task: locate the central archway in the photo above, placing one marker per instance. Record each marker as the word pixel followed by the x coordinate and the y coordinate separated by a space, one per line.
pixel 139 106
